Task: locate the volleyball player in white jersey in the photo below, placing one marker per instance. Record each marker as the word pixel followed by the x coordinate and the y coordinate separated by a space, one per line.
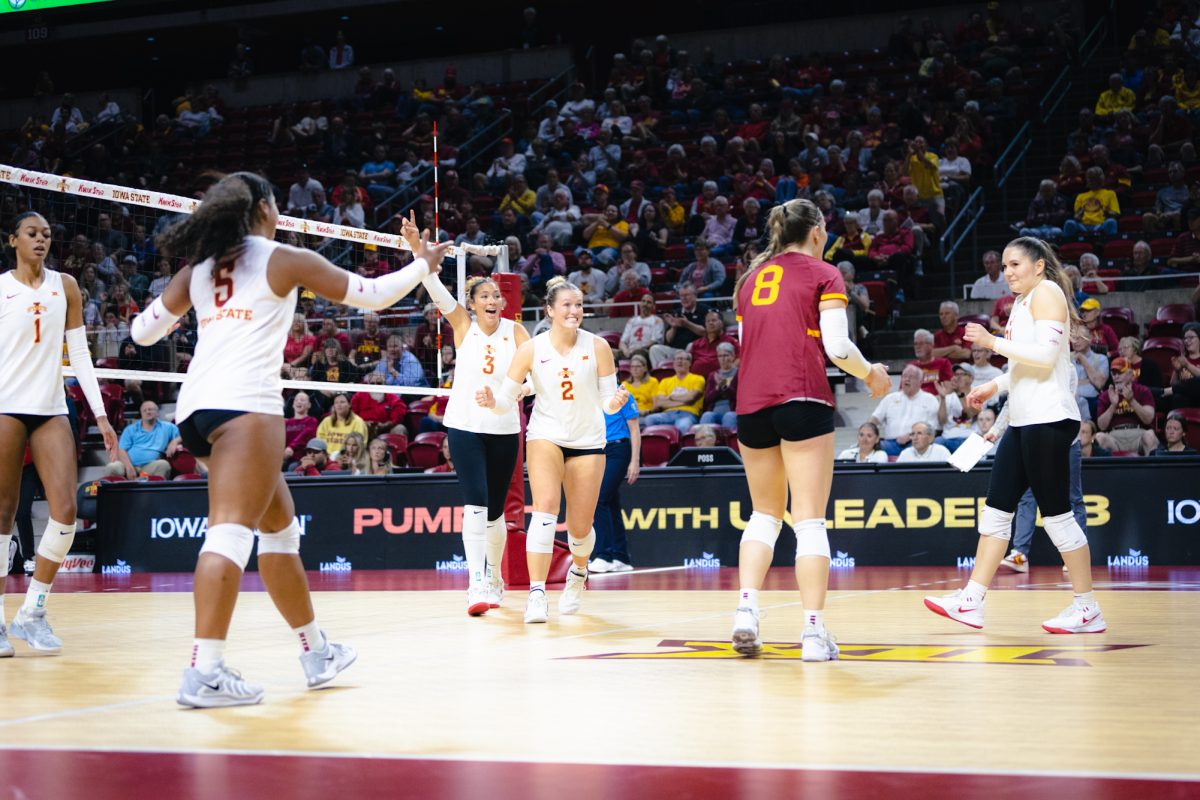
pixel 484 445
pixel 575 380
pixel 38 308
pixel 230 413
pixel 1035 452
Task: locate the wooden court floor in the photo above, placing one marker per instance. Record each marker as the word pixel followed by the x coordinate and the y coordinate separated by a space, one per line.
pixel 642 677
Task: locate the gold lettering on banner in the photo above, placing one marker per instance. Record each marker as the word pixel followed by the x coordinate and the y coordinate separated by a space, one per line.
pixel 847 514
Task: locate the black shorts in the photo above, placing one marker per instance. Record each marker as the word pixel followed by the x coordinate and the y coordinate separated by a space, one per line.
pixel 33 421
pixel 196 429
pixel 790 422
pixel 575 452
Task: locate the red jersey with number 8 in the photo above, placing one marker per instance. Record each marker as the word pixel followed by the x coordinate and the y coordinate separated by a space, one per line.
pixel 782 356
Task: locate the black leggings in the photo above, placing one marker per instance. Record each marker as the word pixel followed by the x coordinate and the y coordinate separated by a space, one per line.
pixel 1036 457
pixel 484 463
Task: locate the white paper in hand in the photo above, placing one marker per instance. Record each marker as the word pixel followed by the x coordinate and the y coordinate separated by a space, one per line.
pixel 970 452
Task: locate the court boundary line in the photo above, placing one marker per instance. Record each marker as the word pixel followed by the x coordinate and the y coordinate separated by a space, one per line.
pixel 489 758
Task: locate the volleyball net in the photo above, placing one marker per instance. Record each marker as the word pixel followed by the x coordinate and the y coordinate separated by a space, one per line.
pixel 103 235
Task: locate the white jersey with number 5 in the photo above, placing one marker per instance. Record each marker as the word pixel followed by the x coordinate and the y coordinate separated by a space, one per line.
pixel 480 361
pixel 242 327
pixel 567 409
pixel 32 325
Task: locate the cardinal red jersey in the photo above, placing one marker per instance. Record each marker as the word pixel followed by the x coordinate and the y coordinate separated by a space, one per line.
pixel 782 356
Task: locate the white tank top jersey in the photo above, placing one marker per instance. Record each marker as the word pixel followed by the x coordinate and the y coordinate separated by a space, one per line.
pixel 32 325
pixel 242 327
pixel 480 361
pixel 1038 394
pixel 567 409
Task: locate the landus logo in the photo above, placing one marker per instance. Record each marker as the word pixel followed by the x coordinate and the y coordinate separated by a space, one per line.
pixel 966 562
pixel 456 564
pixel 120 568
pixel 1134 559
pixel 841 560
pixel 706 561
pixel 1024 655
pixel 338 564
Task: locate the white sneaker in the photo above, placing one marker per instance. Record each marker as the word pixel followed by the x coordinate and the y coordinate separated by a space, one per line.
pixel 620 566
pixel 321 666
pixel 1077 618
pixel 599 566
pixel 495 593
pixel 32 626
pixel 30 565
pixel 572 597
pixel 1016 561
pixel 957 607
pixel 538 609
pixel 224 687
pixel 745 632
pixel 477 600
pixel 817 645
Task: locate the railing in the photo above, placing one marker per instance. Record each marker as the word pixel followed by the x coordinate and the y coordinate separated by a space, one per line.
pixel 1012 157
pixel 1054 95
pixel 967 217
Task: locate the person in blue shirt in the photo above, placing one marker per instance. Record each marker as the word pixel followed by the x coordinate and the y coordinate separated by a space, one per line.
pixel 623 458
pixel 379 174
pixel 147 447
pixel 399 366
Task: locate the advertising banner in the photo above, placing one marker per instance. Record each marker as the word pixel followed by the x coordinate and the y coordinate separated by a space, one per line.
pixel 1139 513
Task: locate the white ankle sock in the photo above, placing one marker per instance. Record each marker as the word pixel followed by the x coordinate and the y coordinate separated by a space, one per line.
pixel 36 596
pixel 815 618
pixel 1085 599
pixel 537 586
pixel 207 654
pixel 975 591
pixel 311 638
pixel 748 599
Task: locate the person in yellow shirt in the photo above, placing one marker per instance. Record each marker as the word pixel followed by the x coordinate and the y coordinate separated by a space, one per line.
pixel 340 423
pixel 641 384
pixel 520 198
pixel 1115 98
pixel 851 243
pixel 604 234
pixel 1186 84
pixel 672 212
pixel 679 397
pixel 922 169
pixel 1096 210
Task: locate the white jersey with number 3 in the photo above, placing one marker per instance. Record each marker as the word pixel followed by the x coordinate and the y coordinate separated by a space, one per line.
pixel 480 361
pixel 567 409
pixel 242 328
pixel 32 325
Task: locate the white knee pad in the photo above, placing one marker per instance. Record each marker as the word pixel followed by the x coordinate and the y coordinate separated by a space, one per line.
pixel 1065 532
pixel 5 543
pixel 811 538
pixel 285 542
pixel 762 528
pixel 996 523
pixel 474 524
pixel 231 541
pixel 496 532
pixel 56 541
pixel 540 536
pixel 582 548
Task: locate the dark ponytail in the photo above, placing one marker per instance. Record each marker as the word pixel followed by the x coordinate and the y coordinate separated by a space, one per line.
pixel 220 223
pixel 1037 250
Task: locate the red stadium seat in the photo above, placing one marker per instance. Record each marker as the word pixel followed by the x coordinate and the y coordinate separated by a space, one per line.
pixel 1118 248
pixel 1121 320
pixel 417 411
pixel 612 337
pixel 665 371
pixel 1071 251
pixel 659 443
pixel 877 291
pixel 397 447
pixel 426 452
pixel 1169 320
pixel 1160 351
pixel 183 462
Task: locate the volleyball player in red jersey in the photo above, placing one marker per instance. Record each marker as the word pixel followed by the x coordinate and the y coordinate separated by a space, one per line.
pixel 792 307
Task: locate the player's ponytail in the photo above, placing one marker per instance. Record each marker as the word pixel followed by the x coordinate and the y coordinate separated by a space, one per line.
pixel 787 224
pixel 1037 250
pixel 220 224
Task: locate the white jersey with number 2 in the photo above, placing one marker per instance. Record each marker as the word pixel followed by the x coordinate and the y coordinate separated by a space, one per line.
pixel 567 409
pixel 242 327
pixel 32 325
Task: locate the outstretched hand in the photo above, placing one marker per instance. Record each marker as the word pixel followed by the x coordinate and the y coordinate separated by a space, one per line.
pixel 432 253
pixel 981 394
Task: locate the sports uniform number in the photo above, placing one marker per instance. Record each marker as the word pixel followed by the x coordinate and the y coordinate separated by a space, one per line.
pixel 568 390
pixel 223 284
pixel 489 365
pixel 766 286
pixel 37 330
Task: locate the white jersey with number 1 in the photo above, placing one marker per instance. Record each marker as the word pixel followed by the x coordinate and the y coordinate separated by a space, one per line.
pixel 567 409
pixel 32 325
pixel 482 360
pixel 242 328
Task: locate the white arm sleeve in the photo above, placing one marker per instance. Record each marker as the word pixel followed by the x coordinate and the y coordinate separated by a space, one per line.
pixel 439 294
pixel 506 398
pixel 835 337
pixel 376 294
pixel 608 388
pixel 152 324
pixel 1003 381
pixel 85 373
pixel 1042 352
